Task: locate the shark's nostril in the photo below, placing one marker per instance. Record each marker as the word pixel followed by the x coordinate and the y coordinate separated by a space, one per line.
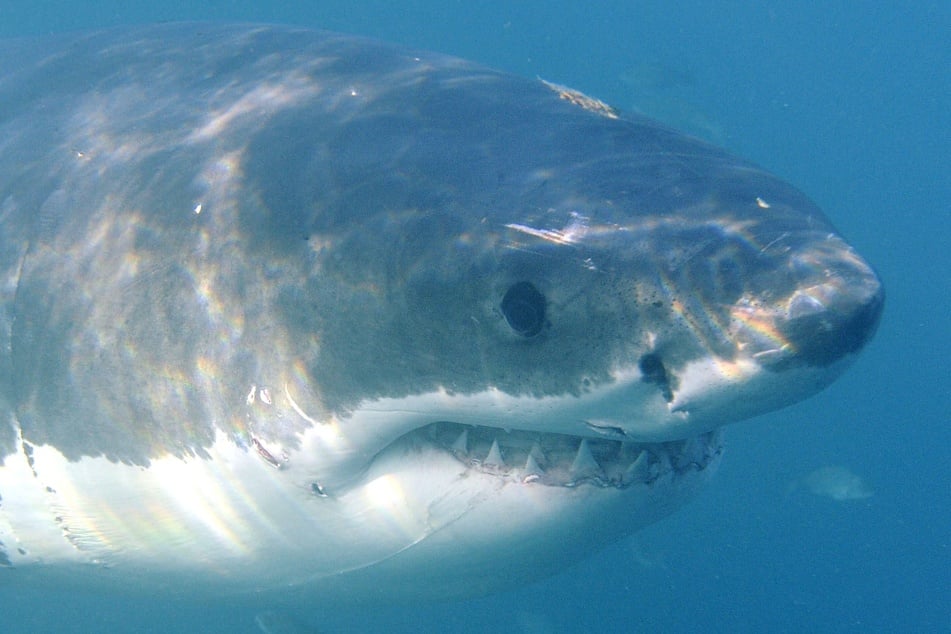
pixel 654 371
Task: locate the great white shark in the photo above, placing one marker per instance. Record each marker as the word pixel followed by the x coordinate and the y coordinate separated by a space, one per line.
pixel 285 311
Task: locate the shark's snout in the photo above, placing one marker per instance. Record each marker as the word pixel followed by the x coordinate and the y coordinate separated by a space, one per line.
pixel 833 320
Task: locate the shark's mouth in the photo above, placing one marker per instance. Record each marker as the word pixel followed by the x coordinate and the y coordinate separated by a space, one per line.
pixel 561 460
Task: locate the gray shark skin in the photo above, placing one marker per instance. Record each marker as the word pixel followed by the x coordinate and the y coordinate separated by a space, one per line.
pixel 285 311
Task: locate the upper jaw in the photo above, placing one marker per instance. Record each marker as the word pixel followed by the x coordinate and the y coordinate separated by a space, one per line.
pixel 559 460
pixel 782 351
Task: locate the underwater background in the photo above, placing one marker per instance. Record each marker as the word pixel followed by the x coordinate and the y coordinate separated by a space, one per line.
pixel 833 515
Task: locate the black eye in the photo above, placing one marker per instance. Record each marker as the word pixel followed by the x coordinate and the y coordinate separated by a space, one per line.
pixel 524 309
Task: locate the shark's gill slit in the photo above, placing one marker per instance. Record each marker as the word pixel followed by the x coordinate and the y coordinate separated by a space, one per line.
pixel 563 460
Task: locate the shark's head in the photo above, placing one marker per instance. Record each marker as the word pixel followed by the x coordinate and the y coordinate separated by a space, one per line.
pixel 425 327
pixel 544 364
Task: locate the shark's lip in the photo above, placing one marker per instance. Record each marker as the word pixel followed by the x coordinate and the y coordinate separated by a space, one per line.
pixel 563 460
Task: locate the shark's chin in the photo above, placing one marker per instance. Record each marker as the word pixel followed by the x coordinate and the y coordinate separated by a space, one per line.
pixel 451 502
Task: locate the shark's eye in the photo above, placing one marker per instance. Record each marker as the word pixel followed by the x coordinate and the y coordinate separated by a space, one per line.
pixel 524 309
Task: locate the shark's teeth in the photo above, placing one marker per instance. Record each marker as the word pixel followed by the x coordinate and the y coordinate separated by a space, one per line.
pixel 461 446
pixel 561 460
pixel 537 454
pixel 638 471
pixel 584 465
pixel 691 453
pixel 494 459
pixel 660 465
pixel 532 471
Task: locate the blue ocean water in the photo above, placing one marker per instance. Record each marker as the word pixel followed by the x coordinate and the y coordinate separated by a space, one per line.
pixel 848 101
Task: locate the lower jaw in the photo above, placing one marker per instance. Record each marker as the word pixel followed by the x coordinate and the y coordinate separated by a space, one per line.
pixel 485 521
pixel 559 460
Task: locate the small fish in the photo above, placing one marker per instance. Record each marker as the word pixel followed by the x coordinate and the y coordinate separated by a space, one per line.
pixel 272 622
pixel 837 483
